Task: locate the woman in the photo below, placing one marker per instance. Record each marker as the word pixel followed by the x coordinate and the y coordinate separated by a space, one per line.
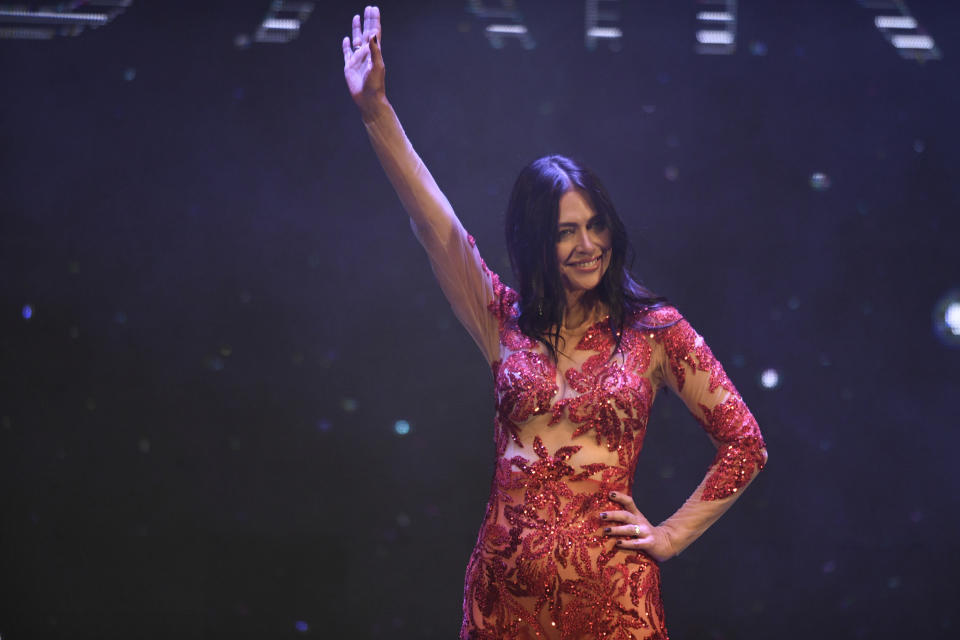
pixel 577 357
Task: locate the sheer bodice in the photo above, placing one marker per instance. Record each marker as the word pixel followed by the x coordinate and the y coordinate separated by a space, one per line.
pixel 567 433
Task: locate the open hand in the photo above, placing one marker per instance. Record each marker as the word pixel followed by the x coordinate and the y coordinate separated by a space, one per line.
pixel 636 533
pixel 363 61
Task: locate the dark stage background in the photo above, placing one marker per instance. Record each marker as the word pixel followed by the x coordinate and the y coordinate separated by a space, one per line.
pixel 235 404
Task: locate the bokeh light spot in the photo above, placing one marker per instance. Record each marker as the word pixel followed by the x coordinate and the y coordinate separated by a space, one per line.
pixel 27 312
pixel 323 426
pixel 758 48
pixel 129 74
pixel 819 181
pixel 770 379
pixel 671 173
pixel 348 404
pixel 401 427
pixel 946 318
pixel 301 626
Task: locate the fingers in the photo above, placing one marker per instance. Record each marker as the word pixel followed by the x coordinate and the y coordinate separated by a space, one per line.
pixel 372 25
pixel 375 52
pixel 617 516
pixel 346 50
pixel 626 500
pixel 357 35
pixel 636 531
pixel 635 544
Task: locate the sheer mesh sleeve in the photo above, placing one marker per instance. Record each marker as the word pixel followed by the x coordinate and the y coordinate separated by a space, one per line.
pixel 474 292
pixel 688 367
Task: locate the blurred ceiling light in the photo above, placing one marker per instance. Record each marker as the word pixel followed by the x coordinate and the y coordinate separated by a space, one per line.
pixel 715 16
pixel 515 29
pixel 912 42
pixel 714 37
pixel 604 32
pixel 895 22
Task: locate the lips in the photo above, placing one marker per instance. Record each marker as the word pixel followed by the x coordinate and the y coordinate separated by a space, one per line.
pixel 587 264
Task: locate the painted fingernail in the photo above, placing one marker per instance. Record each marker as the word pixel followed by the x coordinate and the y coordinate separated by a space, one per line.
pixel 607 530
pixel 613 494
pixel 603 516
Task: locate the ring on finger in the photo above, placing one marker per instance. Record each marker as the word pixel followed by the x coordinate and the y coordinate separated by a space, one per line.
pixel 636 531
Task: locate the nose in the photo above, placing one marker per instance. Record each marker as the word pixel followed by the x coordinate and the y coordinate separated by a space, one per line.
pixel 585 243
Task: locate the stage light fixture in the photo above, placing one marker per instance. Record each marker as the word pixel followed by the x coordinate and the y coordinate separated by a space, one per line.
pixel 896 19
pixel 502 21
pixel 22 22
pixel 602 22
pixel 717 27
pixel 282 22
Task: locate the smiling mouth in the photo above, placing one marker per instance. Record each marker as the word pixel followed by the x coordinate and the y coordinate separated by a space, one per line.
pixel 587 264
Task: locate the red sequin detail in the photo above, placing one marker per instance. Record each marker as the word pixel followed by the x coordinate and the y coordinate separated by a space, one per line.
pixel 541 567
pixel 742 452
pixel 525 385
pixel 684 346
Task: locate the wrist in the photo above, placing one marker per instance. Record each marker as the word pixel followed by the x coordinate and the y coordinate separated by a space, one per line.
pixel 670 538
pixel 374 108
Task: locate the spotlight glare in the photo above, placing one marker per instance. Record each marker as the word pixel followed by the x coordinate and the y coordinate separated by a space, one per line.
pixel 401 427
pixel 952 318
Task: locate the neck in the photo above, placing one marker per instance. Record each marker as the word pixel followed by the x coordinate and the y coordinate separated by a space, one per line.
pixel 581 309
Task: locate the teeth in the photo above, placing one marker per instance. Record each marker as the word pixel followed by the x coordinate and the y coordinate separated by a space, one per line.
pixel 587 263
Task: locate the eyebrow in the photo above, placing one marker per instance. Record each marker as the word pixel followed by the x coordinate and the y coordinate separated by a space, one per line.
pixel 574 224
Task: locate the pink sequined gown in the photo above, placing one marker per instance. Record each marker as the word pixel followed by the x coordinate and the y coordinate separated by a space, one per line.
pixel 566 435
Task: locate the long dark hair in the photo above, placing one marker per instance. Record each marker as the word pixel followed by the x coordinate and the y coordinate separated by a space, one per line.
pixel 531 229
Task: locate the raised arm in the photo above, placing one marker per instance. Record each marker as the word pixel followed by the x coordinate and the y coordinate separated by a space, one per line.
pixel 465 281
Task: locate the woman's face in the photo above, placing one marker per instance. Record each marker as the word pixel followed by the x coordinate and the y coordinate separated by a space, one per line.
pixel 583 244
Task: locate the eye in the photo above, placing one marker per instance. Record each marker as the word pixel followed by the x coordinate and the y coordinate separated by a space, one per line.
pixel 598 224
pixel 563 233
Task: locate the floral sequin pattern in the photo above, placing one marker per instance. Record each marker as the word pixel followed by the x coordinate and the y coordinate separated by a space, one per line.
pixel 541 567
pixel 613 399
pixel 741 449
pixel 525 385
